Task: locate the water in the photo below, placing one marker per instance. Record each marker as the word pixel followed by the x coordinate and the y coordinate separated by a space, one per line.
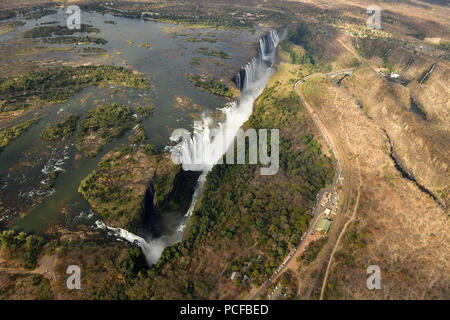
pixel 25 163
pixel 166 64
pixel 204 149
pixel 201 148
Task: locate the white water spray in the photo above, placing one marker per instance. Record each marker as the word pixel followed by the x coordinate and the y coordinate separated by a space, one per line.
pixel 206 146
pixel 206 149
pixel 152 249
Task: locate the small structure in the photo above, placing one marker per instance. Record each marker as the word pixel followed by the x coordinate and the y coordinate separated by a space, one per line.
pixel 324 225
pixel 234 275
pixel 327 211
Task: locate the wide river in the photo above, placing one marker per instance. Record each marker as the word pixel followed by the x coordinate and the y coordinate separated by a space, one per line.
pixel 26 162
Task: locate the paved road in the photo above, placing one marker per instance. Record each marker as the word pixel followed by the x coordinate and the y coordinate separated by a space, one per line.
pixel 338 153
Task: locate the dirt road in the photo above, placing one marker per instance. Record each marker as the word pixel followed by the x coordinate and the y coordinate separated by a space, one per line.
pixel 45 268
pixel 343 156
pixel 343 169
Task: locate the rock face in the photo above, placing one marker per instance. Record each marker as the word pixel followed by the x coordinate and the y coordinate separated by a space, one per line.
pixel 416 119
pixel 116 190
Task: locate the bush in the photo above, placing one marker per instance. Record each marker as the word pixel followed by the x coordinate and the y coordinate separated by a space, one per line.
pixel 60 130
pixel 26 248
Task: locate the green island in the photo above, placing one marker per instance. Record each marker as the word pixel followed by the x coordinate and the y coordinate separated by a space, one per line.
pixel 223 20
pixel 211 85
pixel 59 34
pixel 92 51
pixel 116 190
pixel 55 85
pixel 48 31
pixel 83 40
pixel 100 126
pixel 60 130
pixel 214 53
pixel 10 26
pixel 145 111
pixel 144 44
pixel 138 135
pixel 41 12
pixel 7 135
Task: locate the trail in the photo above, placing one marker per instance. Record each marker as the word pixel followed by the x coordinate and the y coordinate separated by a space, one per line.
pixel 355 209
pixel 45 268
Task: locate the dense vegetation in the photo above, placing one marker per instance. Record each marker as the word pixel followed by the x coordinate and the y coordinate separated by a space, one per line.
pixel 145 111
pixel 109 270
pixel 353 242
pixel 21 246
pixel 48 31
pixel 193 14
pixel 57 84
pixel 61 129
pixel 214 53
pixel 299 36
pixel 92 51
pixel 211 85
pixel 117 189
pixel 69 40
pixel 296 46
pixel 297 55
pixel 6 136
pixel 100 126
pixel 39 13
pixel 58 34
pixel 224 20
pixel 138 136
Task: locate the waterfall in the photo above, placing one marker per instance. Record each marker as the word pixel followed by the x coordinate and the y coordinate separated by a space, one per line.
pixel 152 249
pixel 203 149
pixel 268 45
pixel 252 71
pixel 206 146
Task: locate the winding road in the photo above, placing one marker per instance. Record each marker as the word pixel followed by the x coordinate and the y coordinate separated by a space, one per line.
pixel 343 170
